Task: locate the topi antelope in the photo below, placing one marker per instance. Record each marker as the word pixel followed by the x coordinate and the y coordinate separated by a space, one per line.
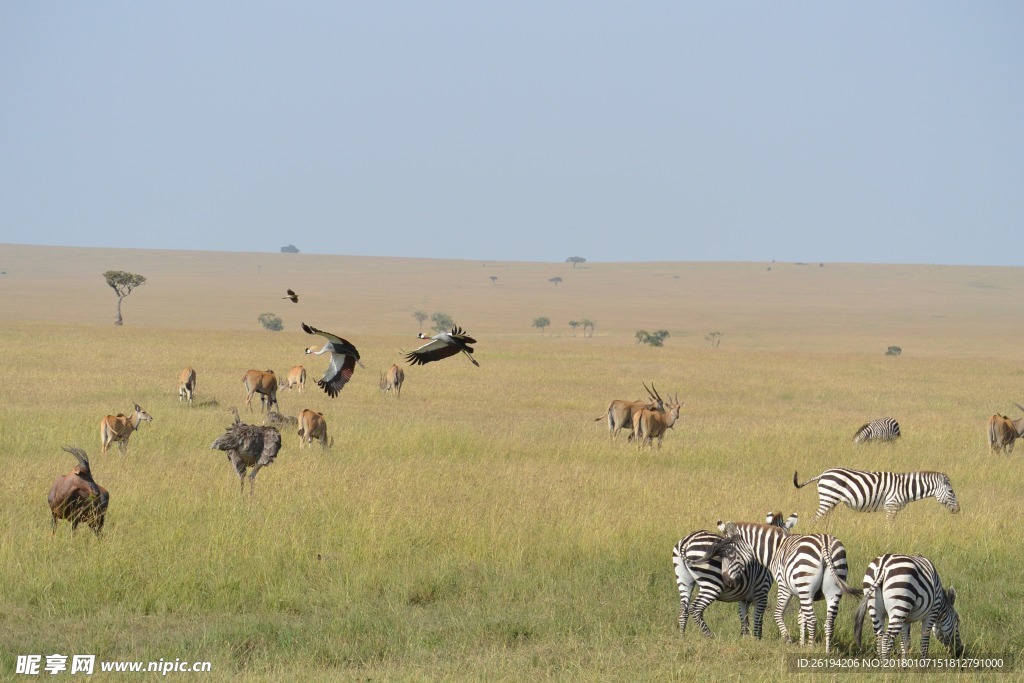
pixel 296 378
pixel 620 413
pixel 117 428
pixel 186 385
pixel 77 498
pixel 650 424
pixel 312 426
pixel 248 446
pixel 1003 431
pixel 443 345
pixel 264 383
pixel 344 357
pixel 393 380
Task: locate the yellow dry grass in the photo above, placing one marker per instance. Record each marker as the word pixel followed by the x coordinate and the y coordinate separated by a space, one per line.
pixel 483 527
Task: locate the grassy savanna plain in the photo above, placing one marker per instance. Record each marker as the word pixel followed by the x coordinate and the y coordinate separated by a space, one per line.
pixel 483 527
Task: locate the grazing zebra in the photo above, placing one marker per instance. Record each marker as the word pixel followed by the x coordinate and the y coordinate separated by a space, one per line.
pixel 874 491
pixel 696 560
pixel 885 429
pixel 811 566
pixel 906 588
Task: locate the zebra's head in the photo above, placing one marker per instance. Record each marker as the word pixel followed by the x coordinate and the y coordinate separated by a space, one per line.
pixel 737 555
pixel 945 495
pixel 947 626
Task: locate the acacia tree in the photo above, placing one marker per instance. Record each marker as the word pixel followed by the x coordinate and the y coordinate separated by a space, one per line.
pixel 587 322
pixel 122 283
pixel 442 322
pixel 574 260
pixel 555 280
pixel 420 318
pixel 541 323
pixel 574 324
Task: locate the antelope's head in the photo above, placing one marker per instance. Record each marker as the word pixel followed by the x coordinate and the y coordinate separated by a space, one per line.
pixel 142 414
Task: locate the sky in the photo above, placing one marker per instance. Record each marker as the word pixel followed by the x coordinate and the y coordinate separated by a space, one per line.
pixel 875 131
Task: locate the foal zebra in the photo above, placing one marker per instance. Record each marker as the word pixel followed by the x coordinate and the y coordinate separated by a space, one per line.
pixel 906 588
pixel 884 429
pixel 812 566
pixel 697 559
pixel 873 491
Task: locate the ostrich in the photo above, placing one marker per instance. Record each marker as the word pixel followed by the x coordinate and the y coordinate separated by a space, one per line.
pixel 248 446
pixel 442 346
pixel 344 357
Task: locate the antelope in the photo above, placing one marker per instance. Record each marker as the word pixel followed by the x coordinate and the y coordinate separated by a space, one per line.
pixel 620 413
pixel 296 378
pixel 393 380
pixel 1002 432
pixel 186 385
pixel 648 424
pixel 77 498
pixel 117 428
pixel 344 357
pixel 312 425
pixel 264 383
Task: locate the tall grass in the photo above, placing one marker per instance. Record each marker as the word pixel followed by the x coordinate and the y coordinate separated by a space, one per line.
pixel 481 527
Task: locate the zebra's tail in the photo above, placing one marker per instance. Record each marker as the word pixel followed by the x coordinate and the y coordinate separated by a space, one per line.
pixel 846 588
pixel 862 609
pixel 796 481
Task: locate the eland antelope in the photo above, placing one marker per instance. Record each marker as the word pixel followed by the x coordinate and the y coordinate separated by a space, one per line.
pixel 620 412
pixel 117 428
pixel 393 380
pixel 186 385
pixel 344 357
pixel 77 498
pixel 1003 431
pixel 651 424
pixel 443 345
pixel 264 383
pixel 296 378
pixel 312 426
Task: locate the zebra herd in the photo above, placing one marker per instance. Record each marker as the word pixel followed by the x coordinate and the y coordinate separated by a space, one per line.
pixel 741 563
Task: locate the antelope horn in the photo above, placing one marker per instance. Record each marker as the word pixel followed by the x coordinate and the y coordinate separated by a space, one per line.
pixel 1019 406
pixel 656 394
pixel 79 454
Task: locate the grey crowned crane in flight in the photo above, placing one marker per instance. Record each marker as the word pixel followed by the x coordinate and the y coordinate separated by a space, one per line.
pixel 292 296
pixel 344 357
pixel 442 346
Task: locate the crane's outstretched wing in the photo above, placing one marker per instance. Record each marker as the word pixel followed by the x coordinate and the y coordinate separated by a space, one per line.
pixel 292 296
pixel 435 349
pixel 339 372
pixel 341 346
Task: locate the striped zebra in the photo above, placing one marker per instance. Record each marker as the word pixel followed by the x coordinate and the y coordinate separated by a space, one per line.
pixel 884 429
pixel 810 566
pixel 905 589
pixel 874 491
pixel 697 560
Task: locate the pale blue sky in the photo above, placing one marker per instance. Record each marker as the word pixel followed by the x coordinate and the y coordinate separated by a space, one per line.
pixel 687 131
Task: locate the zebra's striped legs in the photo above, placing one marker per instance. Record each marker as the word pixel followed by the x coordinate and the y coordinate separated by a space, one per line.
pixel 684 611
pixel 780 608
pixel 808 622
pixel 744 625
pixel 704 599
pixel 892 508
pixel 926 633
pixel 830 621
pixel 759 608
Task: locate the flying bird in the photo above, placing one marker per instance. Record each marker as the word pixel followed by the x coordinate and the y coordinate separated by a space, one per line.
pixel 442 346
pixel 292 296
pixel 344 357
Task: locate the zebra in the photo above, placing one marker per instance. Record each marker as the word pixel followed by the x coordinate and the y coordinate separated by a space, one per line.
pixel 873 491
pixel 696 560
pixel 906 588
pixel 884 429
pixel 811 566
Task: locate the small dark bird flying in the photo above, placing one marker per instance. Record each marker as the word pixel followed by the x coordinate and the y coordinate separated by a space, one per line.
pixel 292 296
pixel 442 346
pixel 344 357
